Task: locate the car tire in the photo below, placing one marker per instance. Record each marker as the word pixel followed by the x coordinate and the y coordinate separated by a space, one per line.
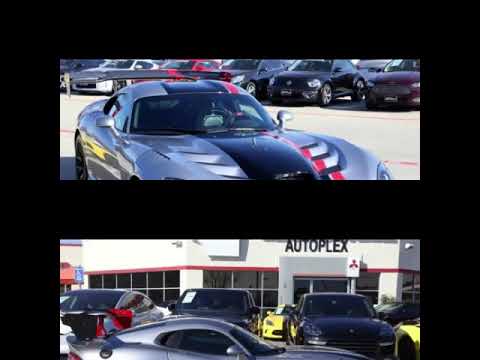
pixel 406 349
pixel 81 170
pixel 358 90
pixel 370 103
pixel 252 89
pixel 325 95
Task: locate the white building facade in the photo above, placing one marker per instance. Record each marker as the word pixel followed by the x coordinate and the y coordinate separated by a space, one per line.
pixel 275 271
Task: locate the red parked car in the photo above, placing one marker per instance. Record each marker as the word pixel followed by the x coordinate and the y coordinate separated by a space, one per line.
pixel 191 64
pixel 398 84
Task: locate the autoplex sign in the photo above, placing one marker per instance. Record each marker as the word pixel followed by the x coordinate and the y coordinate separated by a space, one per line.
pixel 317 245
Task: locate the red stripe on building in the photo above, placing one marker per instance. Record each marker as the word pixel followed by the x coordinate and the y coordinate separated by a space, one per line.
pixel 70 244
pixel 223 268
pixel 337 175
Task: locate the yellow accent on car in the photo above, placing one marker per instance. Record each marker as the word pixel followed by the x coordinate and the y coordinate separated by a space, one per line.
pixel 99 151
pixel 406 335
pixel 273 324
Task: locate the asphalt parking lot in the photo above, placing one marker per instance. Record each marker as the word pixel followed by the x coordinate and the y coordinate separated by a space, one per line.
pixel 392 135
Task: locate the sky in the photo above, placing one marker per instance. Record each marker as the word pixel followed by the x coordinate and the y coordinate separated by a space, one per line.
pixel 70 241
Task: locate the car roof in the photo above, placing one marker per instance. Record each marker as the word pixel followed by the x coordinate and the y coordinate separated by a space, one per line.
pixel 95 291
pixel 161 88
pixel 334 293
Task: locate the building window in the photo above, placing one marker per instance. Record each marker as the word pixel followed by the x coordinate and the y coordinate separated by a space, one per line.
pixel 160 286
pixel 411 288
pixel 262 285
pixel 367 285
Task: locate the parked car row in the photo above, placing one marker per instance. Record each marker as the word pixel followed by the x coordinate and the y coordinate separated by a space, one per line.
pixel 318 81
pixel 221 323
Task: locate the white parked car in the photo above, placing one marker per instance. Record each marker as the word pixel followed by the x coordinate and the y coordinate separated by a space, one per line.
pixel 111 86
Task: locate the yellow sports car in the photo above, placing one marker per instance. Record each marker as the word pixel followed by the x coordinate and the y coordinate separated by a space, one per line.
pixel 274 324
pixel 407 345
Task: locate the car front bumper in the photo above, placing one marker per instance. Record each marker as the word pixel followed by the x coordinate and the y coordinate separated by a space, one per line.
pixel 104 87
pixel 394 96
pixel 309 95
pixel 272 333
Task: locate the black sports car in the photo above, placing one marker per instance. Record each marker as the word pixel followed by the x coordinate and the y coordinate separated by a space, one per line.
pixel 317 81
pixel 344 321
pixel 254 74
pixel 398 312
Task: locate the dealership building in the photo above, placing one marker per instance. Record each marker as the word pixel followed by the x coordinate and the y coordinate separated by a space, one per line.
pixel 70 260
pixel 275 271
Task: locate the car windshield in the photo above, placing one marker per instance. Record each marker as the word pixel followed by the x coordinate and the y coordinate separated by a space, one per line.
pixel 283 310
pixel 199 112
pixel 403 65
pixel 179 65
pixel 241 64
pixel 312 65
pixel 254 344
pixel 117 64
pixel 89 300
pixel 366 64
pixel 338 306
pixel 223 301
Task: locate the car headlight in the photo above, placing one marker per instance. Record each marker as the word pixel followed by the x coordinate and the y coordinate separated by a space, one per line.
pixel 383 173
pixel 310 329
pixel 416 85
pixel 272 81
pixel 269 322
pixel 238 79
pixel 370 84
pixel 315 83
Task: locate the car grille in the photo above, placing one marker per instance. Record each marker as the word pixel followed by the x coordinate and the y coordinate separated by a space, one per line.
pixel 86 86
pixel 367 348
pixel 296 83
pixel 295 176
pixel 392 90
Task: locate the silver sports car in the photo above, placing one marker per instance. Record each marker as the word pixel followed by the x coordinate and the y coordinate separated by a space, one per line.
pixel 192 129
pixel 188 338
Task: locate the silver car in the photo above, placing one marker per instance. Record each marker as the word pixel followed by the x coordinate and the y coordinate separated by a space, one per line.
pixel 205 130
pixel 188 338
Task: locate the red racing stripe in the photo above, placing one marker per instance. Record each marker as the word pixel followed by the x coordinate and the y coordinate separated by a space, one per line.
pixel 337 175
pixel 232 89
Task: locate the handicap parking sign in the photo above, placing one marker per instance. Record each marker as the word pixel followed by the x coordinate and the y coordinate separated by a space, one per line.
pixel 79 275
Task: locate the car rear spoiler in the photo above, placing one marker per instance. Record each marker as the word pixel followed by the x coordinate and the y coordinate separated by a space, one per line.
pixel 87 325
pixel 100 76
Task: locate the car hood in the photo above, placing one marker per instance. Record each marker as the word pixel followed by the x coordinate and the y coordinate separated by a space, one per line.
pixel 238 72
pixel 321 75
pixel 334 327
pixel 255 155
pixel 397 77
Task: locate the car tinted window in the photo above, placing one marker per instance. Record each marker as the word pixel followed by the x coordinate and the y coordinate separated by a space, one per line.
pixel 403 65
pixel 338 306
pixel 201 111
pixel 342 64
pixel 312 65
pixel 90 301
pixel 199 341
pixel 224 301
pixel 179 65
pixel 144 64
pixel 252 343
pixel 118 64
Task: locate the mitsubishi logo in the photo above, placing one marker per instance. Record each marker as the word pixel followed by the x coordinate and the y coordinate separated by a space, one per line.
pixel 289 82
pixel 353 265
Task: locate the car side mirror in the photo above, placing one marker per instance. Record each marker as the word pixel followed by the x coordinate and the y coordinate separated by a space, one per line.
pixel 284 116
pixel 235 350
pixel 172 306
pixel 104 121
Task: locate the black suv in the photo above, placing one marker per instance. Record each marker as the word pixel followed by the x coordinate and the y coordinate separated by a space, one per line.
pixel 317 81
pixel 254 74
pixel 344 321
pixel 232 305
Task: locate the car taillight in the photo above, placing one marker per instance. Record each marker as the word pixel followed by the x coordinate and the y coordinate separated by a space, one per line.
pixel 72 356
pixel 225 76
